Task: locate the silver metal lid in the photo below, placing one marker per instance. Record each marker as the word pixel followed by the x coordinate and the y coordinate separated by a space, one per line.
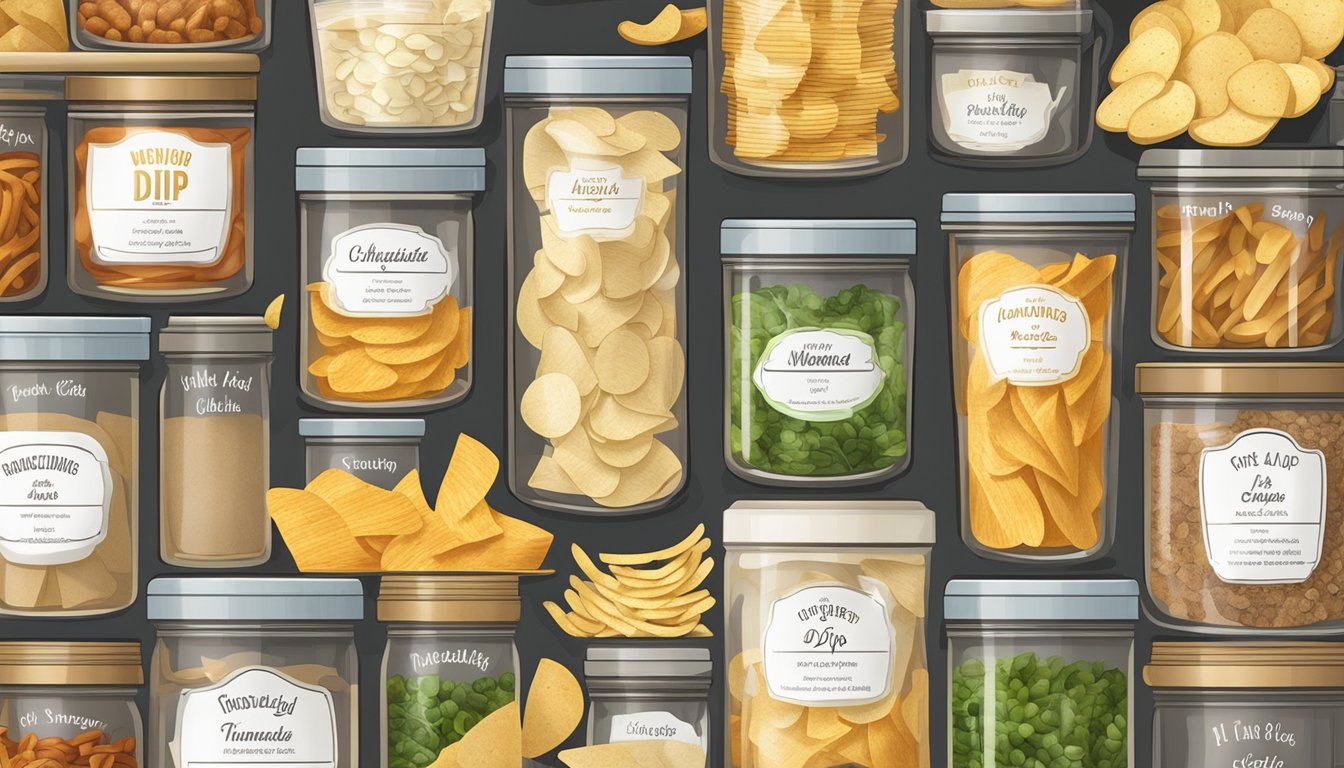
pixel 817 237
pixel 255 599
pixel 39 337
pixel 1244 164
pixel 237 334
pixel 596 75
pixel 628 661
pixel 1041 600
pixel 362 427
pixel 829 523
pixel 381 169
pixel 1037 207
pixel 1008 21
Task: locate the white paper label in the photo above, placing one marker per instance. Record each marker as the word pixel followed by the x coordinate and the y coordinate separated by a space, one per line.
pixel 829 645
pixel 997 111
pixel 1034 336
pixel 644 726
pixel 1262 497
pixel 55 493
pixel 253 718
pixel 388 269
pixel 157 197
pixel 819 375
pixel 594 199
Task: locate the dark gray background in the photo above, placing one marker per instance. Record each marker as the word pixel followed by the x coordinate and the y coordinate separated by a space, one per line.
pixel 288 118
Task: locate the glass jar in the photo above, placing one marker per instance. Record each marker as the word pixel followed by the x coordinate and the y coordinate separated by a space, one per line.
pixel 387 240
pixel 378 451
pixel 401 66
pixel 597 349
pixel 804 91
pixel 171 25
pixel 161 184
pixel 25 181
pixel 638 693
pixel 818 347
pixel 836 584
pixel 1246 248
pixel 214 442
pixel 266 661
pixel 1243 496
pixel 70 444
pixel 1060 652
pixel 1015 87
pixel 71 696
pixel 1277 705
pixel 1336 119
pixel 1036 308
pixel 450 660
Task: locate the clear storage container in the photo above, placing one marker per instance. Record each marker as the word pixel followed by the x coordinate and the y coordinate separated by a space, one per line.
pixel 1246 248
pixel 401 66
pixel 818 349
pixel 26 106
pixel 1336 117
pixel 638 693
pixel 378 451
pixel 1038 288
pixel 70 447
pixel 214 442
pixel 1014 87
pixel 1244 500
pixel 597 350
pixel 1276 705
pixel 450 660
pixel 170 25
pixel 1040 673
pixel 262 670
pixel 387 246
pixel 839 586
pixel 809 91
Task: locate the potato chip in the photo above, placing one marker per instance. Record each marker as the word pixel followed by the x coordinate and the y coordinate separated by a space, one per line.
pixel 1271 34
pixel 1165 116
pixel 1155 51
pixel 1233 128
pixel 1321 23
pixel 366 510
pixel 1116 109
pixel 555 707
pixel 551 405
pixel 622 362
pixel 1324 74
pixel 671 25
pixel 317 537
pixel 494 742
pixel 1261 88
pixel 1306 90
pixel 1169 10
pixel 272 314
pixel 1206 17
pixel 1206 68
pixel 575 456
pixel 461 500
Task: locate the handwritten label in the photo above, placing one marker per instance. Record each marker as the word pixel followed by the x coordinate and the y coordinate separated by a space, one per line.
pixel 1035 335
pixel 460 657
pixel 643 726
pixel 830 645
pixel 55 496
pixel 389 269
pixel 256 716
pixel 595 200
pixel 219 391
pixel 997 111
pixel 819 374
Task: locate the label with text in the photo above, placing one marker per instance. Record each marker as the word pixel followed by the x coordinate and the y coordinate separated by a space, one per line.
pixel 219 390
pixel 819 374
pixel 829 645
pixel 22 134
pixel 644 726
pixel 389 269
pixel 997 111
pixel 54 498
pixel 598 201
pixel 1035 335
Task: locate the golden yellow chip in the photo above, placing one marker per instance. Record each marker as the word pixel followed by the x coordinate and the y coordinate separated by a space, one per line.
pixel 1155 51
pixel 551 405
pixel 272 315
pixel 316 535
pixel 621 362
pixel 1271 34
pixel 1116 109
pixel 461 500
pixel 555 707
pixel 1321 23
pixel 495 742
pixel 1261 88
pixel 355 372
pixel 1206 68
pixel 367 510
pixel 1166 116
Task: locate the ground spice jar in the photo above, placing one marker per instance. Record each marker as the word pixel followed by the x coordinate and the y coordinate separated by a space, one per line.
pixel 71 697
pixel 170 25
pixel 377 451
pixel 1244 500
pixel 25 144
pixel 450 659
pixel 1246 705
pixel 258 670
pixel 637 693
pixel 214 442
pixel 69 449
pixel 1041 672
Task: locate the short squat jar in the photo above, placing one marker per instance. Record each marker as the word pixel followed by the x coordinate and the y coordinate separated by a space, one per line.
pixel 654 692
pixel 378 451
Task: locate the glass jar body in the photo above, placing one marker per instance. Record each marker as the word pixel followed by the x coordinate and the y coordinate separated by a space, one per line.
pixel 379 461
pixel 236 27
pixel 65 712
pixel 644 710
pixel 1214 727
pixel 24 153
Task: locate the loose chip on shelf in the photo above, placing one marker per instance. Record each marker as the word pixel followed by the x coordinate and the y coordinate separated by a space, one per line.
pixel 671 25
pixel 272 315
pixel 554 708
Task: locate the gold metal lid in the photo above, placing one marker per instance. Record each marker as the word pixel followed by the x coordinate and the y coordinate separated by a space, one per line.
pixel 453 598
pixel 1246 665
pixel 70 663
pixel 1275 378
pixel 161 88
pixel 122 63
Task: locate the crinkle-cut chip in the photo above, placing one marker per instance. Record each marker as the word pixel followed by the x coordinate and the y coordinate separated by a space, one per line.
pixel 1233 128
pixel 642 482
pixel 622 362
pixel 1306 89
pixel 1206 68
pixel 663 386
pixel 575 455
pixel 494 742
pixel 471 472
pixel 985 524
pixel 355 372
pixel 550 476
pixel 597 120
pixel 1165 116
pixel 555 706
pixel 415 372
pixel 1118 108
pixel 532 319
pixel 908 583
pixel 521 546
pixel 316 535
pixel 447 319
pixel 1261 88
pixel 415 551
pixel 624 453
pixel 1156 50
pixel 613 421
pixel 321 367
pixel 1321 23
pixel 1271 34
pixel 84 582
pixel 986 276
pixel 562 353
pixel 367 510
pixel 550 406
pixel 1015 506
pixel 659 131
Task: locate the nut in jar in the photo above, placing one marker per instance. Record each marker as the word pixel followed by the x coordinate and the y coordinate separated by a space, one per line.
pixel 213 23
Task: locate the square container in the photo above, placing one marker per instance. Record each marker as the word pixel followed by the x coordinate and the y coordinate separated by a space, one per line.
pixel 170 25
pixel 636 693
pixel 29 107
pixel 378 451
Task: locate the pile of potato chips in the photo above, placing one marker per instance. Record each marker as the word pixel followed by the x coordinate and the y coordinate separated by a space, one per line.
pixel 33 25
pixel 340 523
pixel 1225 70
pixel 658 600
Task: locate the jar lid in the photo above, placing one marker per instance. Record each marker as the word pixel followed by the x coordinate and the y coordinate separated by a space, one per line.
pixel 596 75
pixel 153 88
pixel 1244 164
pixel 1037 208
pixel 254 599
pixel 1246 665
pixel 467 598
pixel 817 237
pixel 1008 21
pixel 204 334
pixel 1041 600
pixel 361 427
pixel 46 338
pixel 1239 378
pixel 379 169
pixel 629 661
pixel 70 663
pixel 23 87
pixel 127 63
pixel 875 524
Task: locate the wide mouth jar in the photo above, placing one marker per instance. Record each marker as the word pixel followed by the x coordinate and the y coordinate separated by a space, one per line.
pixel 378 451
pixel 171 25
pixel 641 693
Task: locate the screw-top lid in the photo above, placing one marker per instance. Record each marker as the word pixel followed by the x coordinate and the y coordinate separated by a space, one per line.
pixel 638 662
pixel 999 22
pixel 70 663
pixel 1037 208
pixel 1041 600
pixel 817 237
pixel 875 524
pixel 254 599
pixel 596 75
pixel 385 169
pixel 362 428
pixel 222 335
pixel 467 598
pixel 1242 164
pixel 1246 665
pixel 1239 379
pixel 44 338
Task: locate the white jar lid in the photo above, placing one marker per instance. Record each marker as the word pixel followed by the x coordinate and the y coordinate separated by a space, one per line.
pixel 875 524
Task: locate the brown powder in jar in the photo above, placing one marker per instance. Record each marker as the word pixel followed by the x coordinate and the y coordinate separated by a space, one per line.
pixel 214 487
pixel 1180 577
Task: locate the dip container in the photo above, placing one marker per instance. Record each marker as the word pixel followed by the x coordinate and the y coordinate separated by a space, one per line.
pixel 170 25
pixel 28 109
pixel 378 451
pixel 637 693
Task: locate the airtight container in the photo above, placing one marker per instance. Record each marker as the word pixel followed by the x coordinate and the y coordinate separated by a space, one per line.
pixel 597 342
pixel 818 347
pixel 170 25
pixel 1252 704
pixel 378 451
pixel 269 662
pixel 1040 672
pixel 1038 287
pixel 1246 248
pixel 70 456
pixel 1242 505
pixel 27 104
pixel 643 693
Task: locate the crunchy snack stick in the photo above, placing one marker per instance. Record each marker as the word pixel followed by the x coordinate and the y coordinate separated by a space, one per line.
pixel 20 222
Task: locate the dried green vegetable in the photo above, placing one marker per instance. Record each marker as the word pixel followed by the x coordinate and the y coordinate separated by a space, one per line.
pixel 426 714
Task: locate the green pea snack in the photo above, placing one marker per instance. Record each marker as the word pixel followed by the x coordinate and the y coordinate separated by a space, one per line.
pixel 1048 713
pixel 426 714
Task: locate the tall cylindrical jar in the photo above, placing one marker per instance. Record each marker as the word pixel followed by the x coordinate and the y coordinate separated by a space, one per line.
pixel 450 660
pixel 214 442
pixel 1038 289
pixel 597 351
pixel 378 451
pixel 27 103
pixel 643 693
pixel 387 245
